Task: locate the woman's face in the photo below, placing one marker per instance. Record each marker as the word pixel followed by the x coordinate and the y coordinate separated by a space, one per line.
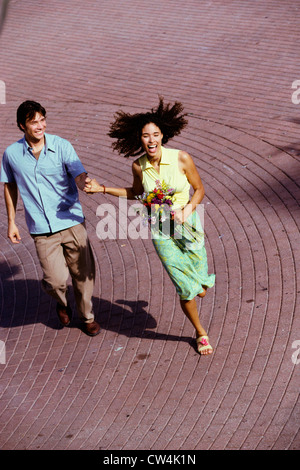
pixel 152 140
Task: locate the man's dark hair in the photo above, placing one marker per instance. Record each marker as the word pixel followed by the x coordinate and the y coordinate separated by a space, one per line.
pixel 127 128
pixel 27 110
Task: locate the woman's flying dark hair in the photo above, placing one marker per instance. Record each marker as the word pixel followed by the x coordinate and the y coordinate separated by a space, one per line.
pixel 27 110
pixel 127 128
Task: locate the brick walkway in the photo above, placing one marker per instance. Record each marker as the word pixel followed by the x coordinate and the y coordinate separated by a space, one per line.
pixel 140 384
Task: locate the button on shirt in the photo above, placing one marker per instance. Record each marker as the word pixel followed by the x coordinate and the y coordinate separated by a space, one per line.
pixel 47 185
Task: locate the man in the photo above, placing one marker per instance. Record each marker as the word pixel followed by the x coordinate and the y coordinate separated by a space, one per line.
pixel 47 171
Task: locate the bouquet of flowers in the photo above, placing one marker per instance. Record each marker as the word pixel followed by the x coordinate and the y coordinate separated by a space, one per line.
pixel 160 215
pixel 158 203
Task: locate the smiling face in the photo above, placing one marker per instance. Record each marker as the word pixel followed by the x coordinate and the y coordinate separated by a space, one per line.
pixel 152 140
pixel 35 128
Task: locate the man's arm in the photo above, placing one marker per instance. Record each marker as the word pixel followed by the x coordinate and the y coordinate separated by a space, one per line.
pixel 80 180
pixel 11 199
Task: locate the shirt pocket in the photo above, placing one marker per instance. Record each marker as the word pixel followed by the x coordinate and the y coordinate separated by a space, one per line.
pixel 52 170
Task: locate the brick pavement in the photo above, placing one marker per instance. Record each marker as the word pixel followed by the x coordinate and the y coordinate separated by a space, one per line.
pixel 140 384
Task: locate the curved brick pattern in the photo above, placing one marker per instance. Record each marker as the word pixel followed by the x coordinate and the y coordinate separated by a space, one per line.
pixel 140 384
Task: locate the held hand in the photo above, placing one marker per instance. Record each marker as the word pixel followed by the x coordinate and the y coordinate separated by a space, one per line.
pixel 92 186
pixel 87 184
pixel 13 233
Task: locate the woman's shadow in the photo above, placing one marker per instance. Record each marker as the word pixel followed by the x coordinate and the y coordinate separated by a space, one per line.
pixel 23 302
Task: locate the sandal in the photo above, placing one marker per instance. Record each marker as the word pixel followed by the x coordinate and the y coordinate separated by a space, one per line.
pixel 203 345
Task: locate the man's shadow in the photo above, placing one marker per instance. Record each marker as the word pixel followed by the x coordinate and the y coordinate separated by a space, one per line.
pixel 23 302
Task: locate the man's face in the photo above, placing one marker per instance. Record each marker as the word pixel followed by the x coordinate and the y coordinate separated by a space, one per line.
pixel 35 128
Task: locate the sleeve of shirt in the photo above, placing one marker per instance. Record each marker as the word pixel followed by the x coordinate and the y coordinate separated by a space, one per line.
pixel 71 160
pixel 6 175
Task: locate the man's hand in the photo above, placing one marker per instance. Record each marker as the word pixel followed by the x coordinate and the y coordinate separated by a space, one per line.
pixel 92 186
pixel 11 198
pixel 13 233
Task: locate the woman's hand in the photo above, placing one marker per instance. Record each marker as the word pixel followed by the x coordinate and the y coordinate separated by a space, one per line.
pixel 179 216
pixel 92 186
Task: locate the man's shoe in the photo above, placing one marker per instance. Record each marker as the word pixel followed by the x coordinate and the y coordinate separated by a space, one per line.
pixel 91 329
pixel 64 314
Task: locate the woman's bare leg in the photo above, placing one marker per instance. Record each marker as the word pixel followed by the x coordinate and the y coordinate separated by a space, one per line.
pixel 189 308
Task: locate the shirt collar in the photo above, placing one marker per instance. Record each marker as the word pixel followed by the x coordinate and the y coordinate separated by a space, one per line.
pixel 49 143
pixel 25 145
pixel 164 160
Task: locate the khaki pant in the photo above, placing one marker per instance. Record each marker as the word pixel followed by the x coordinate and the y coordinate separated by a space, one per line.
pixel 63 253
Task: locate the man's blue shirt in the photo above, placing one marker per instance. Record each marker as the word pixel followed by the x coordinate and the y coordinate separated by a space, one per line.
pixel 47 185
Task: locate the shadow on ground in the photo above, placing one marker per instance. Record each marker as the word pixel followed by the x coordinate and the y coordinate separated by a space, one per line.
pixel 24 303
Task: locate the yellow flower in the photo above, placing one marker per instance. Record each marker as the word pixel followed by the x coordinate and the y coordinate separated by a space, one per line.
pixel 150 197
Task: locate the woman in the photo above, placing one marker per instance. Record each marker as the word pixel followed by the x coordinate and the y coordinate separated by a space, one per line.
pixel 183 257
